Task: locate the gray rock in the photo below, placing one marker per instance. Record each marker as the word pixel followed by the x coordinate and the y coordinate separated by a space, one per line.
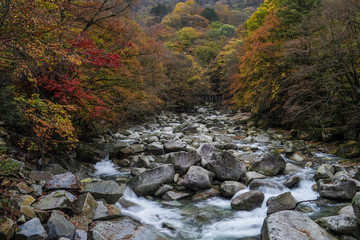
pixel 205 151
pixel 87 205
pixel 40 176
pixel 108 190
pixel 291 168
pixel 56 200
pixel 149 181
pixel 182 161
pixel 292 182
pixel 337 189
pixel 284 201
pixel 296 156
pixel 293 146
pixel 250 176
pixel 348 210
pixel 137 171
pixel 229 188
pixel 63 181
pixel 197 178
pixel 263 138
pixel 31 230
pixel 292 225
pixel 80 235
pixel 174 146
pixel 324 171
pixel 145 161
pixel 341 224
pixel 137 148
pixel 356 206
pixel 163 189
pixel 58 226
pixel 226 167
pixel 172 195
pixel 248 201
pixel 101 211
pixel 270 163
pixel 259 184
pixel 87 153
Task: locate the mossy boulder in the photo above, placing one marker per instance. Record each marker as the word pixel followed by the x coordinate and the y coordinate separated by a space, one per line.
pixel 349 149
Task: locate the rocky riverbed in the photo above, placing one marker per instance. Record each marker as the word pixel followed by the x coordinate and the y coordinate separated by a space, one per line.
pixel 206 175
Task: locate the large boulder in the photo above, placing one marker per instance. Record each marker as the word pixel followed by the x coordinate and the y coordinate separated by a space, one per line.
pixel 108 190
pixel 341 224
pixel 31 230
pixel 148 181
pixel 294 146
pixel 55 200
pixel 324 171
pixel 197 178
pixel 58 226
pixel 229 188
pixel 261 184
pixel 292 225
pixel 226 167
pixel 124 228
pixel 248 201
pixel 63 181
pixel 336 189
pixel 270 163
pixel 284 201
pixel 174 146
pixel 182 161
pixel 356 206
pixel 88 153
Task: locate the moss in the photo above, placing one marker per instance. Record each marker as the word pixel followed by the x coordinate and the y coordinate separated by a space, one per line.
pixel 350 149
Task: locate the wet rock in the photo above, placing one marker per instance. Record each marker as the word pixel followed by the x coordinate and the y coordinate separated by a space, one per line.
pixel 155 148
pixel 58 226
pixel 31 230
pixel 55 200
pixel 163 189
pixel 292 225
pixel 197 178
pixel 284 201
pixel 341 224
pixel 87 153
pixel 182 161
pixel 356 206
pixel 263 138
pixel 202 195
pixel 291 168
pixel 294 146
pixel 108 190
pixel 205 151
pixel 87 205
pixel 7 228
pixel 226 167
pixel 172 195
pixel 259 184
pixel 337 189
pixel 250 176
pixel 148 181
pixel 270 163
pixel 324 171
pixel 80 235
pixel 174 146
pixel 125 228
pixel 63 181
pixel 229 188
pixel 137 148
pixel 297 156
pixel 292 182
pixel 248 201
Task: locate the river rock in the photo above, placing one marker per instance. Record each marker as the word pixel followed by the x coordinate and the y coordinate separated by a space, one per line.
pixel 337 189
pixel 163 189
pixel 58 226
pixel 204 194
pixel 248 201
pixel 291 168
pixel 225 166
pixel 294 146
pixel 348 210
pixel 229 188
pixel 62 181
pixel 259 184
pixel 297 156
pixel 292 182
pixel 197 178
pixel 270 163
pixel 7 228
pixel 32 230
pixel 155 148
pixel 87 205
pixel 124 228
pixel 356 206
pixel 149 181
pixel 182 161
pixel 87 153
pixel 292 225
pixel 284 201
pixel 138 148
pixel 108 190
pixel 341 224
pixel 172 195
pixel 205 151
pixel 174 146
pixel 55 200
pixel 250 176
pixel 324 171
pixel 263 138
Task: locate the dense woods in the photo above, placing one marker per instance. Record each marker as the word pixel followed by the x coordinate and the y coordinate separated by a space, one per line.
pixel 69 67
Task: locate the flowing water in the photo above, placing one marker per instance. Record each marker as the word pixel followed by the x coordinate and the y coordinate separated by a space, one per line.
pixel 213 218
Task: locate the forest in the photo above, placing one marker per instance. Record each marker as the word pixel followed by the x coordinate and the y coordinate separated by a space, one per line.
pixel 70 68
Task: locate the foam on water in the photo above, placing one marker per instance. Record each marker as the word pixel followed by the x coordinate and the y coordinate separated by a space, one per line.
pixel 106 167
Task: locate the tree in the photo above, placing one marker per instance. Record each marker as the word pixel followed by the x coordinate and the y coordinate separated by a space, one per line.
pixel 210 14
